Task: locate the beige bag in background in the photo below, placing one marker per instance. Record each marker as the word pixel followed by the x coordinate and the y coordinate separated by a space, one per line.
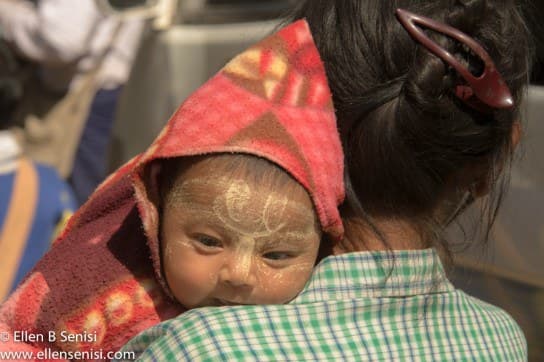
pixel 53 138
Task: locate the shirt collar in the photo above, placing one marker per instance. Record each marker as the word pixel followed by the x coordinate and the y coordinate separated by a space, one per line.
pixel 398 273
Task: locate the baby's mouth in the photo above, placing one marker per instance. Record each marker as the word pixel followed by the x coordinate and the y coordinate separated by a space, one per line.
pixel 223 302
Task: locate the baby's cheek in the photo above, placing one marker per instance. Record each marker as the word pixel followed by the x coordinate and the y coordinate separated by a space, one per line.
pixel 279 286
pixel 189 282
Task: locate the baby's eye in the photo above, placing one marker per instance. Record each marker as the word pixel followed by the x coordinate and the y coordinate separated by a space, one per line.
pixel 208 241
pixel 277 255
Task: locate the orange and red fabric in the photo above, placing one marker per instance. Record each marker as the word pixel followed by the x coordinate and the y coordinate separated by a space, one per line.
pixel 103 275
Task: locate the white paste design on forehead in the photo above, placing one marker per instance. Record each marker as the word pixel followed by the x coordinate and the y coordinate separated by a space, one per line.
pixel 232 209
pixel 231 206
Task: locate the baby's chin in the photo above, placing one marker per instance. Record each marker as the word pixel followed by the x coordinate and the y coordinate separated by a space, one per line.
pixel 220 302
pixel 230 302
pixel 225 302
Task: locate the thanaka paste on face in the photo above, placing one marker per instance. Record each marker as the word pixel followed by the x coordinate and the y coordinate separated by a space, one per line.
pixel 269 221
pixel 243 257
pixel 231 207
pixel 232 210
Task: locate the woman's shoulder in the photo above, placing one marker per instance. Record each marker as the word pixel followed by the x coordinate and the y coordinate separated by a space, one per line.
pixel 495 325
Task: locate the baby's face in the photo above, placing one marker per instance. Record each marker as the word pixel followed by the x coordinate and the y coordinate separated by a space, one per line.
pixel 230 242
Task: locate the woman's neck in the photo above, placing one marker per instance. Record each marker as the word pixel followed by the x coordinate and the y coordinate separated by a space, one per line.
pixel 395 235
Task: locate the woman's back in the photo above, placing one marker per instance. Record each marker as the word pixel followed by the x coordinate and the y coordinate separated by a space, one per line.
pixel 427 96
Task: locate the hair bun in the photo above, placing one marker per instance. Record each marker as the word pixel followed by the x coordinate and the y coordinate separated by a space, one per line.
pixel 466 15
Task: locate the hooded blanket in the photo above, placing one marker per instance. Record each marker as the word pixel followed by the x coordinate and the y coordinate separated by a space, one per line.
pixel 101 283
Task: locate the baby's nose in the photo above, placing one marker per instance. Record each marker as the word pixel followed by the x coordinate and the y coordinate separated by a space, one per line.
pixel 237 272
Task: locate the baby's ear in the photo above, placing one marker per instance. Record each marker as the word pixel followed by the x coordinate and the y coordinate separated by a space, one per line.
pixel 153 183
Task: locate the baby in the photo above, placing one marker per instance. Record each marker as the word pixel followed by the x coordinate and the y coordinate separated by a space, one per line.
pixel 236 229
pixel 227 206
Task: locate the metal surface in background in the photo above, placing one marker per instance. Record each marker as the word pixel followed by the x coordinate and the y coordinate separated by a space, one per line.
pixel 187 42
pixel 170 65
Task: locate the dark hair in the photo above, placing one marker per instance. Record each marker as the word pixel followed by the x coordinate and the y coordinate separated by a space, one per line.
pixel 409 142
pixel 10 85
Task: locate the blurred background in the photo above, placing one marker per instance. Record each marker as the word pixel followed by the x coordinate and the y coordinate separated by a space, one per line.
pixel 176 59
pixel 184 42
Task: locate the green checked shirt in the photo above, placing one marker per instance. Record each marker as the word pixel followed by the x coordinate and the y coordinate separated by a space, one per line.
pixel 367 306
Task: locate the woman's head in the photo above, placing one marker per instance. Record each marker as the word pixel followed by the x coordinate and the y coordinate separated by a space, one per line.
pixel 413 150
pixel 235 229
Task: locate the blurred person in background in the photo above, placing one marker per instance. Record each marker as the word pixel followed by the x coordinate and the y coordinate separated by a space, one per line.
pixel 34 201
pixel 66 39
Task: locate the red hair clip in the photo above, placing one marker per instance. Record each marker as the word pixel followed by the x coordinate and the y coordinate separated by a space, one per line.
pixel 486 89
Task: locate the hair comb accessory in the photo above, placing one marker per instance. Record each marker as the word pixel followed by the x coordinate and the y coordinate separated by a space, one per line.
pixel 487 89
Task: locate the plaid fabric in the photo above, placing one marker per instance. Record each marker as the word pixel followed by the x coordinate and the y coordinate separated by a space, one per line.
pixel 372 306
